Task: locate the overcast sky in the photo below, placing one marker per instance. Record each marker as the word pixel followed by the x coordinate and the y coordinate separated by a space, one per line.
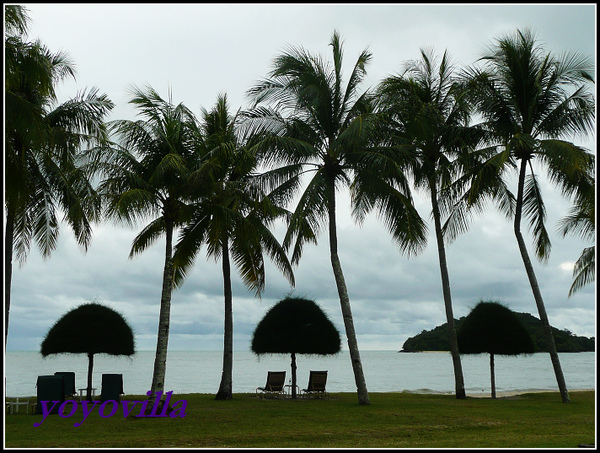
pixel 199 51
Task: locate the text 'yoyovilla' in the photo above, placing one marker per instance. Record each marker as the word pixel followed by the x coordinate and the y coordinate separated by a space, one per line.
pixel 110 407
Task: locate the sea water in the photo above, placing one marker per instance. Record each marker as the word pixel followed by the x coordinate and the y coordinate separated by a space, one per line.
pixel 385 371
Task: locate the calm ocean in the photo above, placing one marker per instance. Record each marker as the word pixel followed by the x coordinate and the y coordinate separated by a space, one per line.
pixel 385 371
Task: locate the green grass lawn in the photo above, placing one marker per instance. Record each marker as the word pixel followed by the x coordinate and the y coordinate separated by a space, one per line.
pixel 393 420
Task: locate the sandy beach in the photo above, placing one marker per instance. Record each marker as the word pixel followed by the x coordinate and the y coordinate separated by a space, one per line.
pixel 513 393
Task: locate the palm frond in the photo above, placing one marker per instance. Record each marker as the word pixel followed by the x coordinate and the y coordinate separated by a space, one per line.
pixel 584 270
pixel 247 256
pixel 41 216
pixel 148 236
pixel 568 166
pixel 535 210
pixel 394 207
pixel 309 215
pixel 16 20
pixel 191 238
pixel 581 220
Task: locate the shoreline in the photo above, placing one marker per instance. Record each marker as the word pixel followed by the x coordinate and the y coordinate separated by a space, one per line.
pixel 512 393
pixel 483 394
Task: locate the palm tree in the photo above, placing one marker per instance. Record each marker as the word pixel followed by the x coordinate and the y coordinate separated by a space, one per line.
pixel 232 217
pixel 429 122
pixel 148 177
pixel 45 169
pixel 317 126
pixel 89 329
pixel 529 99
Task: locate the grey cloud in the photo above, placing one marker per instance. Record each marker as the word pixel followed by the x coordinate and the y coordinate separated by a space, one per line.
pixel 392 296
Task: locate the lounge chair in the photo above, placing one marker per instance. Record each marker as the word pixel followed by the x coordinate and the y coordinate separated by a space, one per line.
pixel 316 384
pixel 275 384
pixel 112 387
pixel 50 388
pixel 69 378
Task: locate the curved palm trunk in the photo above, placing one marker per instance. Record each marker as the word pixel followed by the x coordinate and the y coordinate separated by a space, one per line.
pixel 535 288
pixel 458 374
pixel 8 255
pixel 162 342
pixel 225 388
pixel 361 385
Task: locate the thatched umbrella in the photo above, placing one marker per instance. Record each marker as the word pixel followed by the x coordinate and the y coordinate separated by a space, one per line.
pixel 495 329
pixel 89 329
pixel 295 326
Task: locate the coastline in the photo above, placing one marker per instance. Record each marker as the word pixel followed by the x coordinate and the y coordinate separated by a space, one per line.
pixel 513 393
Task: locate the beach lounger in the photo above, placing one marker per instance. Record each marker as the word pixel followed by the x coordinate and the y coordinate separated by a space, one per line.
pixel 50 388
pixel 275 384
pixel 316 384
pixel 69 378
pixel 112 387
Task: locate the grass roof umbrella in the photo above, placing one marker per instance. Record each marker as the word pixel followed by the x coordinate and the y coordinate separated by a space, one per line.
pixel 89 329
pixel 295 326
pixel 493 328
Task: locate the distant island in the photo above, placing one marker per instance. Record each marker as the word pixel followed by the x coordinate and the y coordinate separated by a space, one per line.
pixel 437 339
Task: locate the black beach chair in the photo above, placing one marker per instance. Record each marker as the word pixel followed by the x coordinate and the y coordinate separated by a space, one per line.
pixel 275 384
pixel 50 388
pixel 316 384
pixel 69 379
pixel 112 387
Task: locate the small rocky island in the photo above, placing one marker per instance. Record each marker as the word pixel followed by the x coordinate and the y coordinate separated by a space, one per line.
pixel 437 338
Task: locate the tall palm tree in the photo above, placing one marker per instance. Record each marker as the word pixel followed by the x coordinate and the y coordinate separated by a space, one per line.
pixel 232 217
pixel 429 123
pixel 148 177
pixel 318 126
pixel 529 99
pixel 45 170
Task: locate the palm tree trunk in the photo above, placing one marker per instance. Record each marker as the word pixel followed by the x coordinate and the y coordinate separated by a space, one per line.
pixel 492 375
pixel 458 374
pixel 8 255
pixel 535 288
pixel 361 385
pixel 225 388
pixel 162 342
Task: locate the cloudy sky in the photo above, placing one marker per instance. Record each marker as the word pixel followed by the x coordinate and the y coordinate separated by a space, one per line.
pixel 199 51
